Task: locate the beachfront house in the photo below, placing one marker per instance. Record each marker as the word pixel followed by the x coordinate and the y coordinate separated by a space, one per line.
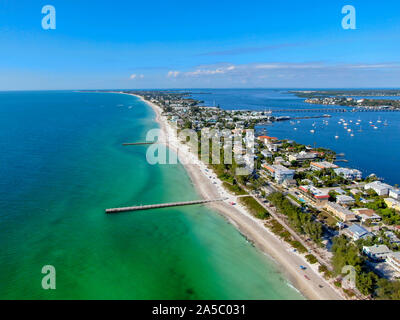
pixel 279 172
pixel 357 232
pixel 382 189
pixel 349 174
pixel 302 156
pixel 394 193
pixel 267 139
pixel 266 153
pixel 316 166
pixel 345 200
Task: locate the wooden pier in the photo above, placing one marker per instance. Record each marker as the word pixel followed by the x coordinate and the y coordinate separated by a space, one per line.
pixel 161 205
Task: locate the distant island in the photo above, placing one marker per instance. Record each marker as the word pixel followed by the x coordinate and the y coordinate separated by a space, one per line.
pixel 346 98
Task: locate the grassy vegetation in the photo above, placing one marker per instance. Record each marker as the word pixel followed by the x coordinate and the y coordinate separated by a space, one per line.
pixel 326 272
pixel 301 221
pixel 311 258
pixel 281 232
pixel 234 188
pixel 254 207
pixel 349 293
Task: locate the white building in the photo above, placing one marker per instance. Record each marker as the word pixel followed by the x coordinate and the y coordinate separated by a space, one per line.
pixel 266 153
pixel 272 147
pixel 302 156
pixel 344 200
pixel 279 172
pixel 394 193
pixel 382 189
pixel 349 174
pixel 322 165
pixel 377 252
pixel 393 259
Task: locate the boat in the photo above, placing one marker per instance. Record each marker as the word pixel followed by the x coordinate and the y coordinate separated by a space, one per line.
pixel 349 130
pixel 375 127
pixel 385 123
pixel 336 137
pixel 352 135
pixel 294 128
pixel 312 131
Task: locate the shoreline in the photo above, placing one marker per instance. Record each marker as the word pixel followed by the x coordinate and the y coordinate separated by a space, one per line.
pixel 209 186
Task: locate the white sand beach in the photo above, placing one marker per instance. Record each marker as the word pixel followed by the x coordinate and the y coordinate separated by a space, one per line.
pixel 210 187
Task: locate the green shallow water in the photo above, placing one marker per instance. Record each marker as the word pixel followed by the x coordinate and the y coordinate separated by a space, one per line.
pixel 63 164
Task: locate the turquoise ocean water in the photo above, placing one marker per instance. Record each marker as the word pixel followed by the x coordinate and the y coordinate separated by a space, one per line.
pixel 62 164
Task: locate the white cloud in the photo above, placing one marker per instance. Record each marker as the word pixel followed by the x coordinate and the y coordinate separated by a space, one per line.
pixel 284 74
pixel 134 76
pixel 173 74
pixel 203 71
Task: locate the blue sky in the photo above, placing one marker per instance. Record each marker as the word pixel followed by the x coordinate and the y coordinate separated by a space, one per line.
pixel 198 44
